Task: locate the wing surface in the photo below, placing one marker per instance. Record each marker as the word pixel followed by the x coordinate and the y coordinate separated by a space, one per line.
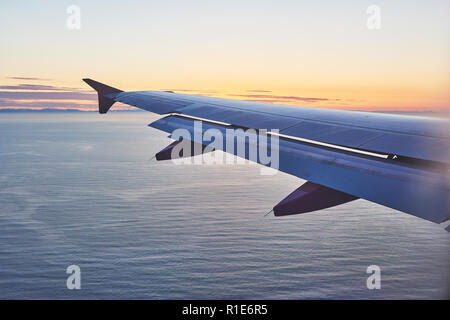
pixel 333 148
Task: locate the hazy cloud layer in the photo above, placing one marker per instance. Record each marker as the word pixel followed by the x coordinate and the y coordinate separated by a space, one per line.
pixel 25 95
pixel 191 90
pixel 6 103
pixel 29 78
pixel 34 96
pixel 38 87
pixel 41 95
pixel 271 98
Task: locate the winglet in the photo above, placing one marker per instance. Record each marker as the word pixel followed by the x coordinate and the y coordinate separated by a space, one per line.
pixel 104 102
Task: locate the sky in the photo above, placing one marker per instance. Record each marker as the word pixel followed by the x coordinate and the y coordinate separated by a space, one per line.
pixel 308 53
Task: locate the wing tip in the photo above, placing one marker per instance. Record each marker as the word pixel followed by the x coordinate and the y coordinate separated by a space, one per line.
pixel 104 103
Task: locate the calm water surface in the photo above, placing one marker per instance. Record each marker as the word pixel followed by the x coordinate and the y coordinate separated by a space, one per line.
pixel 80 189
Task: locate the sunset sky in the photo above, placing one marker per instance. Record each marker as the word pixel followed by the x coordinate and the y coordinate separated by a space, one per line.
pixel 308 53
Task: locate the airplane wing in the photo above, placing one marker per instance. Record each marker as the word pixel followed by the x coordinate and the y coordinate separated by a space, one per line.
pixel 401 162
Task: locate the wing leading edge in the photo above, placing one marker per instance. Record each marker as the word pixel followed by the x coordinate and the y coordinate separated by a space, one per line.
pixel 411 175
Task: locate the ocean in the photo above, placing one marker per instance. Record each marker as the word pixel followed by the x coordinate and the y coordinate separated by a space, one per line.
pixel 81 189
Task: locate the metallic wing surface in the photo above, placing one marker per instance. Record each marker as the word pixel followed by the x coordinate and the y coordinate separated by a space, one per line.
pixel 398 161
